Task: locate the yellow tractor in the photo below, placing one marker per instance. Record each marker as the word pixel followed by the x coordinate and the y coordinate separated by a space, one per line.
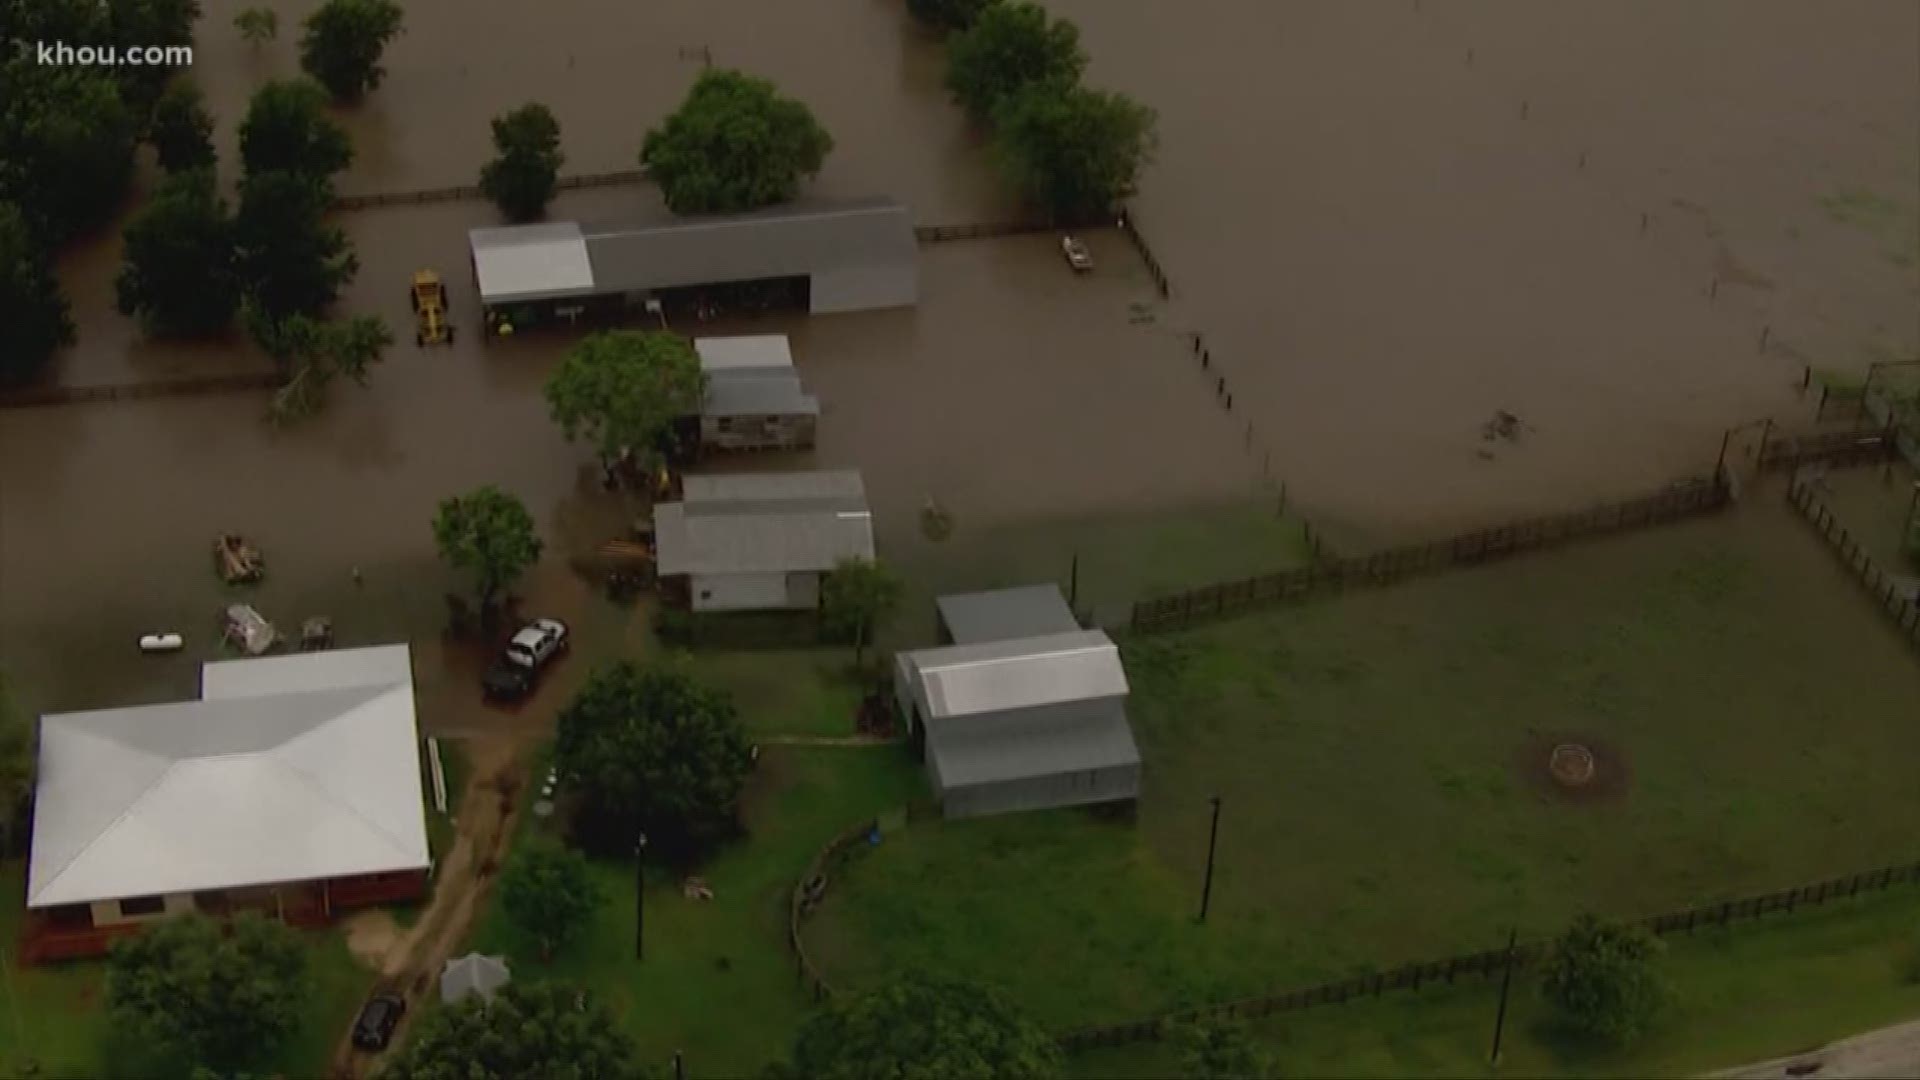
pixel 429 299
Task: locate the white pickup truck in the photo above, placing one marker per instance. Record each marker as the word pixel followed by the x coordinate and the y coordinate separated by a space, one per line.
pixel 518 667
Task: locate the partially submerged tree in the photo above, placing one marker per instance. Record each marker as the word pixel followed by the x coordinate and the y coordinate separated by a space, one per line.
pixel 489 534
pixel 257 25
pixel 946 16
pixel 734 144
pixel 207 993
pixel 544 1030
pixel 623 389
pixel 1602 981
pixel 1073 152
pixel 928 1027
pixel 34 322
pixel 179 276
pixel 653 750
pixel 287 130
pixel 16 770
pixel 857 596
pixel 182 130
pixel 313 353
pixel 550 893
pixel 520 179
pixel 291 261
pixel 343 42
pixel 1012 46
pixel 66 145
pixel 1221 1050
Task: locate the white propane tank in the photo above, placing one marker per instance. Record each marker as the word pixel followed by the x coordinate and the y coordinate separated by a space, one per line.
pixel 161 643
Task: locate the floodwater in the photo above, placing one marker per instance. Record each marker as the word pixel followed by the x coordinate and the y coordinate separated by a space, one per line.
pixel 1383 239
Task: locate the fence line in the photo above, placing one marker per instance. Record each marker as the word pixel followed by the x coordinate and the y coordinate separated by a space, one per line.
pixel 176 387
pixel 459 192
pixel 807 894
pixel 1897 598
pixel 978 230
pixel 1682 500
pixel 1838 448
pixel 1485 964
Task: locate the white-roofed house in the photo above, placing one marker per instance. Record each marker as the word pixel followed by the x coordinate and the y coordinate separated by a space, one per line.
pixel 760 541
pixel 291 787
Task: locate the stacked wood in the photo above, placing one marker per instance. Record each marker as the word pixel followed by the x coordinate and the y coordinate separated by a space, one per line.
pixel 237 561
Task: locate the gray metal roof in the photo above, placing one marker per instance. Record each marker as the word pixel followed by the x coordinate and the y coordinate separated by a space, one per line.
pixel 1001 614
pixel 519 263
pixel 1049 741
pixel 473 974
pixel 1004 676
pixel 751 351
pixel 757 392
pixel 764 523
pixel 782 241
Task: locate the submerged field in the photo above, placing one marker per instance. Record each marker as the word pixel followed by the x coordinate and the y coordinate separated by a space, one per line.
pixel 1381 758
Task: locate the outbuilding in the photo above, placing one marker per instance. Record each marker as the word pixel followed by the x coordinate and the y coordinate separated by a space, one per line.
pixel 760 541
pixel 1024 711
pixel 754 397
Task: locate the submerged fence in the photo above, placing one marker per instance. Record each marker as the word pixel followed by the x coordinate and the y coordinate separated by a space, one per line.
pixel 1898 598
pixel 1685 499
pixel 1486 964
pixel 459 192
pixel 1837 448
pixel 178 387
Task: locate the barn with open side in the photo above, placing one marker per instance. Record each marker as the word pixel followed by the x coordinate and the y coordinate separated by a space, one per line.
pixel 1024 711
pixel 759 541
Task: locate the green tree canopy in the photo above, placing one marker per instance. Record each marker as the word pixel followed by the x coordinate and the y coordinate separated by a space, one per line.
pixel 343 42
pixel 208 994
pixel 291 261
pixel 549 892
pixel 182 130
pixel 623 389
pixel 314 352
pixel 1602 981
pixel 257 25
pixel 287 130
pixel 1073 152
pixel 856 597
pixel 520 179
pixel 927 1027
pixel 734 144
pixel 179 276
pixel 542 1030
pixel 148 24
pixel 652 750
pixel 33 314
pixel 66 144
pixel 489 534
pixel 947 16
pixel 1010 47
pixel 1221 1051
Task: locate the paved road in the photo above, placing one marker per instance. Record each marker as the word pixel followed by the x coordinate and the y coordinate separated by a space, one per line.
pixel 1888 1052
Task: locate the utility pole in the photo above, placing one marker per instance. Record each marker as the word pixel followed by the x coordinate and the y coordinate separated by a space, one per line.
pixel 1073 584
pixel 679 1067
pixel 640 897
pixel 1506 984
pixel 1913 504
pixel 1213 839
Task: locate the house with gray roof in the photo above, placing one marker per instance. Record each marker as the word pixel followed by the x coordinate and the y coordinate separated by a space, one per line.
pixel 760 541
pixel 1023 711
pixel 754 399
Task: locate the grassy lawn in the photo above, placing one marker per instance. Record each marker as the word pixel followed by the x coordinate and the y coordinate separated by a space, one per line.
pixel 1381 760
pixel 718 982
pixel 55 1014
pixel 1755 991
pixel 786 691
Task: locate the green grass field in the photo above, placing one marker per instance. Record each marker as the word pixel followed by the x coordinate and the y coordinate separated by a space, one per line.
pixel 718 982
pixel 1381 760
pixel 55 1015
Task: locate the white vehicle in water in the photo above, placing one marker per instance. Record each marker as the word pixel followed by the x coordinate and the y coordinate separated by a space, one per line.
pixel 1077 254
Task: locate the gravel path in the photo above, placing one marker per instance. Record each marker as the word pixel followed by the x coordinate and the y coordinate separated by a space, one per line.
pixel 1889 1052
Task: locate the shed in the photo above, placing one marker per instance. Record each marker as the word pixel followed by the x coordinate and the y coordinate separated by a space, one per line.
pixel 473 974
pixel 761 541
pixel 754 399
pixel 1004 614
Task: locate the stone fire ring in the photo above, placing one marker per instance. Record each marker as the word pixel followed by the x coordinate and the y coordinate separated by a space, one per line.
pixel 1571 764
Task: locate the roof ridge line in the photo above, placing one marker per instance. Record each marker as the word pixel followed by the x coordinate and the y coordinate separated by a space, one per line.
pixel 125 811
pixel 313 783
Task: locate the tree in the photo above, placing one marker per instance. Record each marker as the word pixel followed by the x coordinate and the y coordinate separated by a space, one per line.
pixel 343 42
pixel 142 24
pixel 947 16
pixel 1074 152
pixel 549 892
pixel 213 995
pixel 856 597
pixel 66 144
pixel 1221 1051
pixel 520 179
pixel 179 276
pixel 547 1030
pixel 1601 979
pixel 33 314
pixel 182 130
pixel 291 261
pixel 928 1027
pixel 16 769
pixel 653 751
pixel 314 352
pixel 623 389
pixel 734 144
pixel 1011 47
pixel 257 25
pixel 487 533
pixel 287 130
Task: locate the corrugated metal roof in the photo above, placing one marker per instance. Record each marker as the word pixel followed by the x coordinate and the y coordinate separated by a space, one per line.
pixel 764 522
pixel 1049 741
pixel 743 351
pixel 520 263
pixel 730 394
pixel 1002 676
pixel 842 486
pixel 784 241
pixel 247 787
pixel 473 974
pixel 1002 614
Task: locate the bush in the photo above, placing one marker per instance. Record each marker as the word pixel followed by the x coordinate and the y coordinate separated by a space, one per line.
pixel 1073 152
pixel 1600 978
pixel 1011 47
pixel 734 144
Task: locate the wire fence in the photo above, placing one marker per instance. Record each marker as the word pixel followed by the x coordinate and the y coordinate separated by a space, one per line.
pixel 1788 453
pixel 978 230
pixel 461 192
pixel 807 894
pixel 1897 597
pixel 1484 965
pixel 177 387
pixel 1688 498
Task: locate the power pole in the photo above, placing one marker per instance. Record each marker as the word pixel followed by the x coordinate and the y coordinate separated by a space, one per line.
pixel 1506 984
pixel 640 897
pixel 1213 839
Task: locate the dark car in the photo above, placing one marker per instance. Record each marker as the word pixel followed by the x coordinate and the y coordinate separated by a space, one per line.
pixel 506 681
pixel 373 1028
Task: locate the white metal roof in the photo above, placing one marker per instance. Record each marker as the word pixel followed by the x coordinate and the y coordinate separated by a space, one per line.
pixel 1056 739
pixel 473 974
pixel 795 487
pixel 519 263
pixel 247 787
pixel 1002 676
pixel 743 351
